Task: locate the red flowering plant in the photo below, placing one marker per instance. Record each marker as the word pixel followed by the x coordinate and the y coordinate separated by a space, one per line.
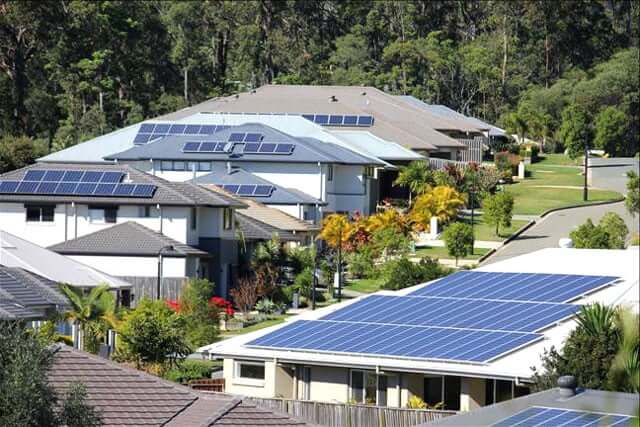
pixel 173 305
pixel 225 307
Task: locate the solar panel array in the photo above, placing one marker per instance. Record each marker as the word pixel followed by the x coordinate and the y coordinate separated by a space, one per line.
pixel 206 147
pixel 339 120
pixel 248 190
pixel 456 321
pixel 268 148
pixel 58 182
pixel 515 286
pixel 152 131
pixel 245 137
pixel 538 417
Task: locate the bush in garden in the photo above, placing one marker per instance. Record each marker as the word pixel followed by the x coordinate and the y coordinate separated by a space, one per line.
pixel 389 242
pixel 497 210
pixel 304 283
pixel 201 311
pixel 610 233
pixel 402 273
pixel 245 295
pixel 442 202
pixel 361 263
pixel 459 240
pixel 189 369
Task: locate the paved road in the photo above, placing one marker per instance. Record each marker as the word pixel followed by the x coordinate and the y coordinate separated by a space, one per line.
pixel 550 229
pixel 611 174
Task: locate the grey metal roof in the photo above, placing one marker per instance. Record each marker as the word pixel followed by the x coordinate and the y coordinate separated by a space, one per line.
pixel 238 176
pixel 167 192
pixel 585 400
pixel 126 239
pixel 17 252
pixel 21 291
pixel 394 120
pixel 253 229
pixel 307 150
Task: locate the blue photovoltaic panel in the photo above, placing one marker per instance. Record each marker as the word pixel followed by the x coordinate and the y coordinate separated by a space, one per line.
pixel 208 129
pixel 190 147
pixel 253 137
pixel 144 190
pixel 251 148
pixel 514 286
pixel 335 120
pixel 231 188
pixel 124 189
pixel 350 120
pixel 208 147
pixel 284 148
pixel 365 120
pixel 177 129
pixel 146 128
pixel 112 177
pixel 321 119
pixel 192 130
pixel 398 341
pixel 66 188
pixel 85 189
pixel 104 189
pixel 263 190
pixel 46 187
pixel 34 175
pixel 236 137
pixel 141 138
pixel 339 120
pixel 538 417
pixel 267 148
pixel 91 176
pixel 246 190
pixel 9 186
pixel 454 313
pixel 161 128
pixel 72 176
pixel 27 187
pixel 308 117
pixel 53 175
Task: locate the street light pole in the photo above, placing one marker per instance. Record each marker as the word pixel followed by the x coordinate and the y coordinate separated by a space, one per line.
pixel 315 274
pixel 585 191
pixel 159 281
pixel 340 263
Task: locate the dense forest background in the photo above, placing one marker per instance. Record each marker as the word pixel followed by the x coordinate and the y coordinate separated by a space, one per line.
pixel 72 70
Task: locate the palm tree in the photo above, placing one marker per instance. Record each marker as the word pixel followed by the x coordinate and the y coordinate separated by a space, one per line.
pixel 597 319
pixel 94 312
pixel 626 365
pixel 416 176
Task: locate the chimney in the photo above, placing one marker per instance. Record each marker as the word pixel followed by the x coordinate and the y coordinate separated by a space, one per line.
pixel 567 385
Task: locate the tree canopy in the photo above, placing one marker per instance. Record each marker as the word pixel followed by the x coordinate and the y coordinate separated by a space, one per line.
pixel 73 70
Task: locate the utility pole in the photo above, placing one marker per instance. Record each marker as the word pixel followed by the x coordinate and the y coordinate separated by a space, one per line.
pixel 340 264
pixel 585 191
pixel 315 274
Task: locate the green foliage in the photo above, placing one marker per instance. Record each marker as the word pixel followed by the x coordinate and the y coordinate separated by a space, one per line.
pixel 75 412
pixel 189 369
pixel 416 176
pixel 303 283
pixel 153 334
pixel 632 201
pixel 611 128
pixel 361 263
pixel 26 397
pixel 498 210
pixel 576 131
pixel 458 238
pixel 610 233
pixel 201 317
pixel 18 151
pixel 267 306
pixel 389 241
pixel 402 273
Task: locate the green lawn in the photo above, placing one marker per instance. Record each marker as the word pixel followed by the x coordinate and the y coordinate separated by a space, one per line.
pixel 558 159
pixel 536 194
pixel 255 327
pixel 483 231
pixel 365 286
pixel 441 252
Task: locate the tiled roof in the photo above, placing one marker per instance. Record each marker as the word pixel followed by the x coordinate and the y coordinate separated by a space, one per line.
pixel 275 217
pixel 394 120
pixel 127 397
pixel 167 193
pixel 20 291
pixel 307 150
pixel 252 229
pixel 279 196
pixel 129 238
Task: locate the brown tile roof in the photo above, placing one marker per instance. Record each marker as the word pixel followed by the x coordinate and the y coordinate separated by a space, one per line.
pixel 275 217
pixel 128 397
pixel 394 120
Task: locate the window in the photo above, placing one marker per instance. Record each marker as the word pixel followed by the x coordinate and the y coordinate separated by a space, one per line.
pixel 368 388
pixel 166 165
pixel 432 390
pixel 250 370
pixel 40 213
pixel 369 172
pixel 227 219
pixel 192 166
pixel 178 166
pixel 500 390
pixel 330 173
pixel 144 211
pixel 194 218
pixel 103 215
pixel 452 393
pixel 442 389
pixel 204 166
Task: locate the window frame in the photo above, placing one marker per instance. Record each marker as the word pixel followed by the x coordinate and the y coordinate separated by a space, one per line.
pixel 365 374
pixel 42 218
pixel 237 371
pixel 109 214
pixel 329 173
pixel 193 218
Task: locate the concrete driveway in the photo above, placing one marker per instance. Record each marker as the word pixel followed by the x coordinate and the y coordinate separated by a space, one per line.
pixel 548 231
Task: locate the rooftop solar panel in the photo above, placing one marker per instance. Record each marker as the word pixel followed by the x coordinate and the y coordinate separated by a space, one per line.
pixel 263 190
pixel 104 189
pixel 161 128
pixel 208 129
pixel 236 137
pixel 85 189
pixel 454 313
pixel 267 148
pixel 350 120
pixel 431 343
pixel 335 120
pixel 34 175
pixel 515 286
pixel 246 190
pixel 66 188
pixel 142 138
pixel 143 190
pixel 251 148
pixel 53 175
pixel 192 130
pixel 112 177
pixel 46 187
pixel 253 137
pixel 190 147
pixel 8 186
pixel 231 188
pixel 207 147
pixel 146 128
pixel 124 189
pixel 321 119
pixel 177 129
pixel 538 416
pixel 365 120
pixel 72 176
pixel 27 187
pixel 91 176
pixel 284 148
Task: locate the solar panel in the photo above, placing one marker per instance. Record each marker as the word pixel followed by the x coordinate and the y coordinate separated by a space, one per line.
pixel 251 148
pixel 8 186
pixel 66 188
pixel 454 313
pixel 91 176
pixel 365 120
pixel 104 189
pixel 321 119
pixel 27 187
pixel 46 187
pixel 514 286
pixel 263 190
pixel 53 175
pixel 339 120
pixel 34 175
pixel 246 190
pixel 112 177
pixel 253 137
pixel 207 147
pixel 231 188
pixel 190 147
pixel 192 130
pixel 397 341
pixel 177 129
pixel 142 138
pixel 161 128
pixel 146 128
pixel 72 176
pixel 85 189
pixel 350 120
pixel 335 120
pixel 208 129
pixel 143 190
pixel 539 416
pixel 151 131
pixel 236 137
pixel 284 148
pixel 124 189
pixel 267 148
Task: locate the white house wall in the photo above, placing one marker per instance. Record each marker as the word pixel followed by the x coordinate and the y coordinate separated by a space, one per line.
pixel 135 266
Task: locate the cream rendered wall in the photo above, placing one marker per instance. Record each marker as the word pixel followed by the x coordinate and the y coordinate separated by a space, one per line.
pixel 13 219
pixel 412 385
pixel 329 384
pixel 283 387
pixel 247 387
pixel 472 393
pixel 134 266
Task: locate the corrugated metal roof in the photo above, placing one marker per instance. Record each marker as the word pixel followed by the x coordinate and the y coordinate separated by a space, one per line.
pixel 23 295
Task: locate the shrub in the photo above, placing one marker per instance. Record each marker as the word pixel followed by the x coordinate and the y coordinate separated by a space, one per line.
pixel 303 283
pixel 266 306
pixel 388 241
pixel 402 273
pixel 498 210
pixel 610 233
pixel 633 194
pixel 189 369
pixel 361 263
pixel 442 202
pixel 616 228
pixel 201 312
pixel 245 295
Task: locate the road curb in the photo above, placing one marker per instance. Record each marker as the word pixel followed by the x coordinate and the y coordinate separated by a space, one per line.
pixel 606 202
pixel 507 240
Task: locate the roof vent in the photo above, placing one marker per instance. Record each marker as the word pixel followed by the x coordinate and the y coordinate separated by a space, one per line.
pixel 333 98
pixel 364 94
pixel 567 385
pixel 236 96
